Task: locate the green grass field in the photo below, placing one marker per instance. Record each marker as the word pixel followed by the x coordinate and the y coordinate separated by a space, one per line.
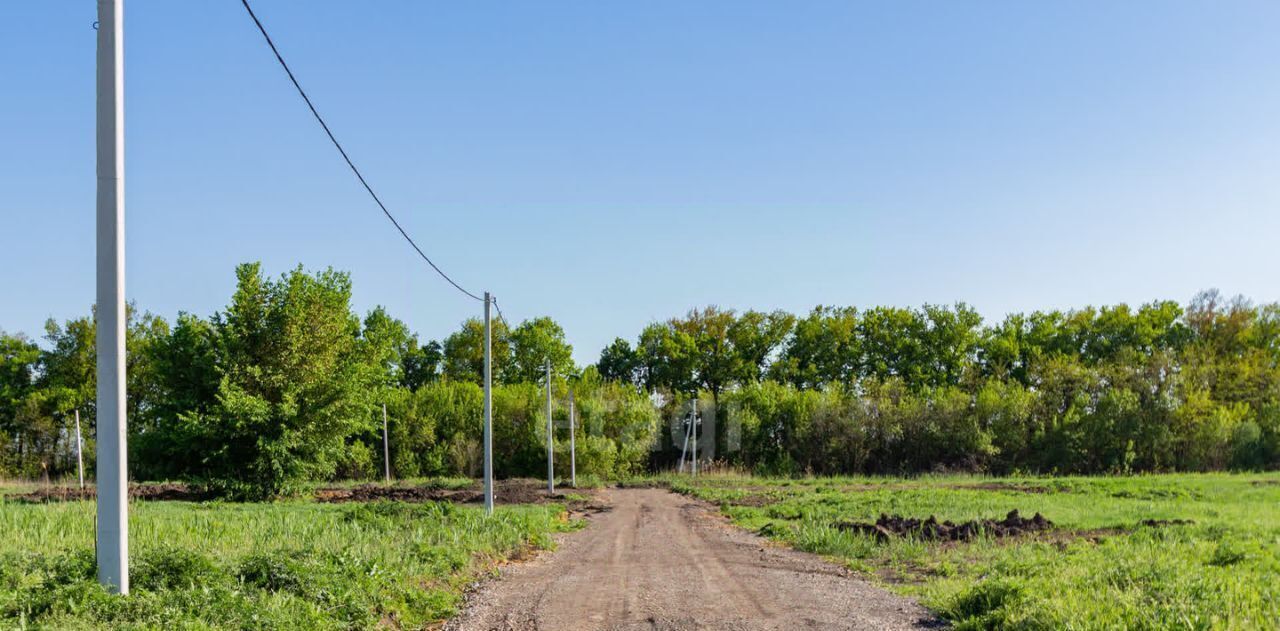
pixel 303 564
pixel 288 565
pixel 1097 569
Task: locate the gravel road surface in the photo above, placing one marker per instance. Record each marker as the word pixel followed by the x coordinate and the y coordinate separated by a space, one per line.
pixel 658 560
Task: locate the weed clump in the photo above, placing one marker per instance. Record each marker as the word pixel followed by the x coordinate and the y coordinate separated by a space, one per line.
pixel 273 573
pixel 986 605
pixel 174 568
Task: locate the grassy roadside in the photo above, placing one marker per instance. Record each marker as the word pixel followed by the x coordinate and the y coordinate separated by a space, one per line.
pixel 287 565
pixel 1099 568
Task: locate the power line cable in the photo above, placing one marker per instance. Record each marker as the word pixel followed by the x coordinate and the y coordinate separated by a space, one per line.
pixel 501 317
pixel 347 158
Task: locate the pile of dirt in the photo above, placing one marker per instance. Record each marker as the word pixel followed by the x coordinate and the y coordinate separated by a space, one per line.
pixel 1160 523
pixel 643 483
pixel 504 492
pixel 373 493
pixel 146 492
pixel 756 500
pixel 1005 486
pixel 892 526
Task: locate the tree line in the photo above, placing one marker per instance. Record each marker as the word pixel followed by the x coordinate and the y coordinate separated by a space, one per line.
pixel 285 386
pixel 894 390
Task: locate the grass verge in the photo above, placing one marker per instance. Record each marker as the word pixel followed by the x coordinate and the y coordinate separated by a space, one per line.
pixel 1099 568
pixel 289 565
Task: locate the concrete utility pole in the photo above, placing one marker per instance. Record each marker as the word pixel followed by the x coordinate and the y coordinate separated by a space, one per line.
pixel 551 465
pixel 79 450
pixel 113 496
pixel 573 455
pixel 488 408
pixel 386 446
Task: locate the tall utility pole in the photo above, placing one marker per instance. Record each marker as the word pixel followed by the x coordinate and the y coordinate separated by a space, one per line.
pixel 79 450
pixel 113 496
pixel 573 455
pixel 386 446
pixel 551 466
pixel 488 408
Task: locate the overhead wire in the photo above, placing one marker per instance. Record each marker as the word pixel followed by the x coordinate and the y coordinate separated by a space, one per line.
pixel 506 326
pixel 347 158
pixel 499 310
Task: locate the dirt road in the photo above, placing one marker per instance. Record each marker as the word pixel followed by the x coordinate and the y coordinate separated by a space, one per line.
pixel 658 560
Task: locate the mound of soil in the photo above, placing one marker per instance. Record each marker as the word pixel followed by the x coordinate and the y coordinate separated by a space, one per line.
pixel 373 493
pixel 643 483
pixel 1004 486
pixel 1160 523
pixel 504 492
pixel 146 492
pixel 891 526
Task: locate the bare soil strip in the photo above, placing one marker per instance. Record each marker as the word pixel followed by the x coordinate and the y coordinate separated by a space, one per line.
pixel 658 560
pixel 513 491
pixel 149 492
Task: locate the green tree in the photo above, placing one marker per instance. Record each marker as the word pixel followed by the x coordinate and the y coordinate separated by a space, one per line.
pixel 19 369
pixel 464 351
pixel 948 344
pixel 892 345
pixel 824 349
pixel 668 358
pixel 715 362
pixel 385 341
pixel 533 343
pixel 295 382
pixel 70 363
pixel 166 440
pixel 421 363
pixel 756 337
pixel 618 362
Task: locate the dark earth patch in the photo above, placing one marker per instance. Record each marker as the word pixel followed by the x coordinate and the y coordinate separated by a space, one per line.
pixel 1160 523
pixel 756 500
pixel 373 493
pixel 147 492
pixel 504 492
pixel 521 491
pixel 643 483
pixel 1005 486
pixel 893 526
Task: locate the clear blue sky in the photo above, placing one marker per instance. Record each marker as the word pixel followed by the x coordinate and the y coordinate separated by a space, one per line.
pixel 611 163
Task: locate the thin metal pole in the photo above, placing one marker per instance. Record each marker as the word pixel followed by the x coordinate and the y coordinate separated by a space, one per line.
pixel 79 450
pixel 112 477
pixel 693 424
pixel 488 408
pixel 573 454
pixel 551 466
pixel 386 446
pixel 684 449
